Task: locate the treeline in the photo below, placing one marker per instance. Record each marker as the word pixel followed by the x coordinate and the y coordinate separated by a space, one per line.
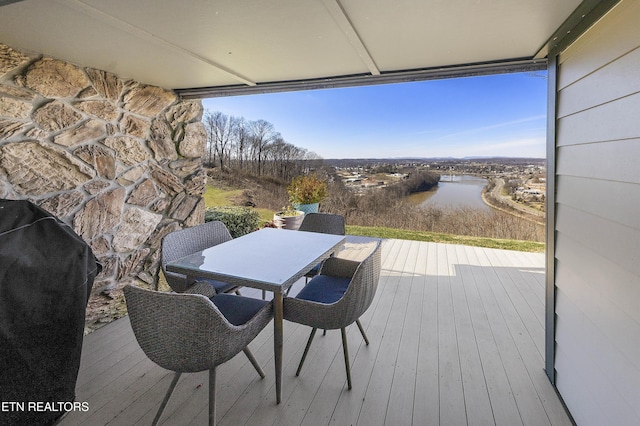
pixel 253 146
pixel 417 181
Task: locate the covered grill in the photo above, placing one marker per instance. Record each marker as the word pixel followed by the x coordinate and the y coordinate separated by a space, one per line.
pixel 46 275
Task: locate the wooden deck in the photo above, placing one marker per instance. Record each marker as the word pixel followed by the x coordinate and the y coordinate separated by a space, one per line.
pixel 457 338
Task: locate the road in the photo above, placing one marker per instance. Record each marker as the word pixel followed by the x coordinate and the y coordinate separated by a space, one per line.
pixel 527 212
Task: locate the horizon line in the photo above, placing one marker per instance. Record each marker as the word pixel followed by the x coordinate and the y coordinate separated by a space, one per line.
pixel 488 157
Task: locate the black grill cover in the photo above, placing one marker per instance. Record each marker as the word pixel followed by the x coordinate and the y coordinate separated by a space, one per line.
pixel 46 275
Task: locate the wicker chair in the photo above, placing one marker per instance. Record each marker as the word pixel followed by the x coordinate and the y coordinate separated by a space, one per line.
pixel 187 333
pixel 336 298
pixel 324 223
pixel 188 241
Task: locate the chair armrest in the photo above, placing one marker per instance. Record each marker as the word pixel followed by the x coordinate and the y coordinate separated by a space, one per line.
pixel 338 267
pixel 202 288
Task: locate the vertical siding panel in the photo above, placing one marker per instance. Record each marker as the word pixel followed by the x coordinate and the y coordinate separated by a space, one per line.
pixel 597 244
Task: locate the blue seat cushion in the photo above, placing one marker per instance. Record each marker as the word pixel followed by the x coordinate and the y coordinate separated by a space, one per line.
pixel 221 287
pixel 238 310
pixel 324 289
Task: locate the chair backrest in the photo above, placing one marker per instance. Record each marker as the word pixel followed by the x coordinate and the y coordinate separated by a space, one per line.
pixel 188 241
pixel 324 223
pixel 180 332
pixel 361 291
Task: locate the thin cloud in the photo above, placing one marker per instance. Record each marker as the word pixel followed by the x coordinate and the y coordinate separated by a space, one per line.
pixel 528 147
pixel 483 129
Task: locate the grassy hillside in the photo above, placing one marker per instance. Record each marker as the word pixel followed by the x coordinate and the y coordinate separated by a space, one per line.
pixel 216 196
pixel 403 234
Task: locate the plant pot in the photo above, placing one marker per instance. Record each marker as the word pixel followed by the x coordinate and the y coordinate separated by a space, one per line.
pixel 307 208
pixel 288 221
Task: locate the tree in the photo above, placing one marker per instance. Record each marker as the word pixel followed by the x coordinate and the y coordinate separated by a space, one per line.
pixel 209 125
pixel 262 134
pixel 241 140
pixel 255 146
pixel 220 129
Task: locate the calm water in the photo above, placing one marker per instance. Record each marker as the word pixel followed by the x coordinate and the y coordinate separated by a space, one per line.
pixel 454 191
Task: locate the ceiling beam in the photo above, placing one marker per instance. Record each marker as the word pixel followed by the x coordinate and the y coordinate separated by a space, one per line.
pixel 340 17
pixel 468 70
pixel 139 32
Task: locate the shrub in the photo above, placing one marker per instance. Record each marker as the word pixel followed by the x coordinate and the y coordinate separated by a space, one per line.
pixel 238 220
pixel 307 189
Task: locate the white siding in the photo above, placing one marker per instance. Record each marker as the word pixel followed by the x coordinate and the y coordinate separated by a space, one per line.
pixel 597 224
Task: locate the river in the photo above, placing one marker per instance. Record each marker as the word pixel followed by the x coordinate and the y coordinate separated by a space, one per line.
pixel 454 191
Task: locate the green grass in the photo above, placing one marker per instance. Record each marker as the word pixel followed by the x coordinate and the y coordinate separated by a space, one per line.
pixel 403 234
pixel 224 197
pixel 214 197
pixel 266 215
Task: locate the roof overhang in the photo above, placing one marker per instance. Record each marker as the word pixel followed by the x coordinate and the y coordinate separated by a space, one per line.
pixel 230 47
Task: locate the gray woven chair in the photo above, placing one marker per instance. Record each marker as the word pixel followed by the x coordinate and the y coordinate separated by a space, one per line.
pixel 187 333
pixel 324 223
pixel 336 298
pixel 187 241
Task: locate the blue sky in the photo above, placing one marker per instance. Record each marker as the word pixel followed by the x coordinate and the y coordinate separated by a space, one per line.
pixel 498 115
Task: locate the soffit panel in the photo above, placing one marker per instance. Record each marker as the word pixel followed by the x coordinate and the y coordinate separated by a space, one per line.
pixel 200 43
pixel 411 34
pixel 46 26
pixel 262 40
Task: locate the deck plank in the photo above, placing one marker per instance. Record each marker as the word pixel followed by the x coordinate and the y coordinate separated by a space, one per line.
pixel 456 338
pixel 476 395
pixel 450 374
pixel 350 404
pixel 503 404
pixel 508 328
pixel 427 395
pixel 103 340
pixel 402 395
pixel 388 361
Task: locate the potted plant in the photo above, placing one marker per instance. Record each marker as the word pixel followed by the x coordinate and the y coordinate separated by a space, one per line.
pixel 288 218
pixel 306 192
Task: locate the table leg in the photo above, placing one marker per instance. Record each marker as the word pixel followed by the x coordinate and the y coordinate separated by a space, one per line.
pixel 277 342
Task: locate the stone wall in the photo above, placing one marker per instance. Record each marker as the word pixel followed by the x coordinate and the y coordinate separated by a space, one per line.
pixel 118 160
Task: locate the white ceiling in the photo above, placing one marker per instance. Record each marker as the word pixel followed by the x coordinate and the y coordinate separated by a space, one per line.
pixel 212 43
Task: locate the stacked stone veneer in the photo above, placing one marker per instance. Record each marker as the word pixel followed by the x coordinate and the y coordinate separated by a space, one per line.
pixel 119 161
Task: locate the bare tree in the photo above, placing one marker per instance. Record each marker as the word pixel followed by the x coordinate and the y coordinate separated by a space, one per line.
pixel 209 125
pixel 255 146
pixel 220 129
pixel 241 141
pixel 312 161
pixel 262 134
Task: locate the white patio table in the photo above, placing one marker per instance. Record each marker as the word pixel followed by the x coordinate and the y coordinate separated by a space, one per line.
pixel 269 259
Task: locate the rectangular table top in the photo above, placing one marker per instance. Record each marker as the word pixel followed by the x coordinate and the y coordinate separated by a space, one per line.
pixel 269 259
